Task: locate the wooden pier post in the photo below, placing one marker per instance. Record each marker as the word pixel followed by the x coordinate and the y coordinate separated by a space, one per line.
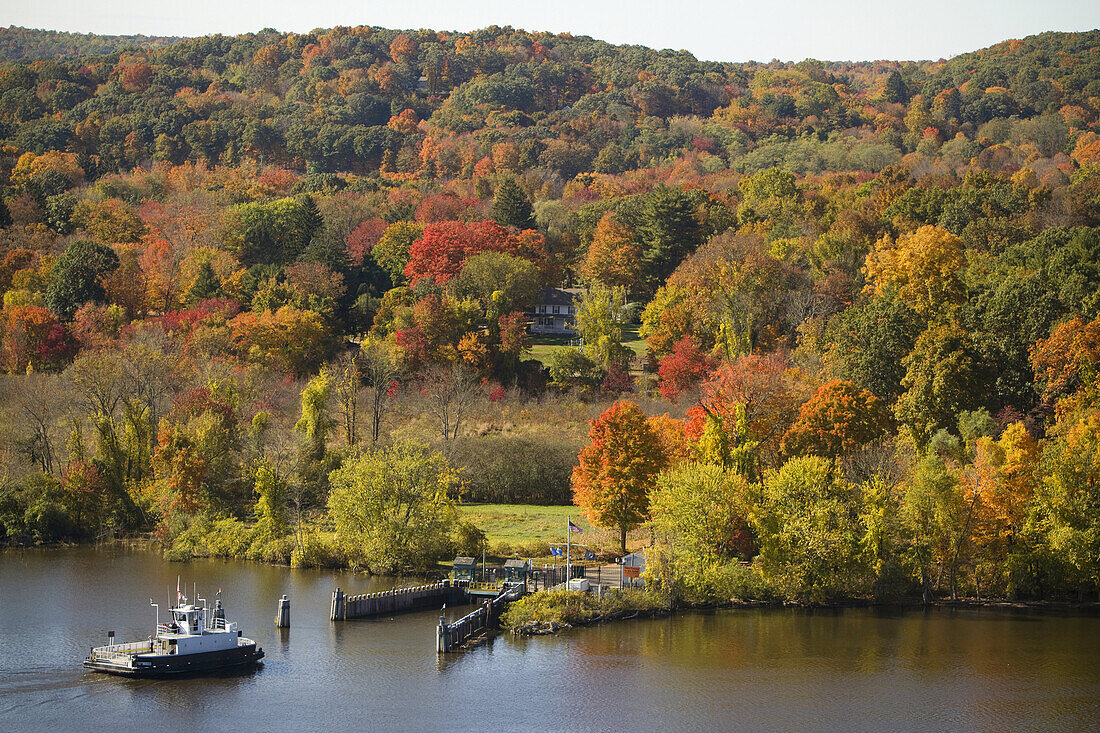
pixel 282 617
pixel 338 605
pixel 442 642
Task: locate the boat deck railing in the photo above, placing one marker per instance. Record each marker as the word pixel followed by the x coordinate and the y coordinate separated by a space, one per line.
pixel 121 652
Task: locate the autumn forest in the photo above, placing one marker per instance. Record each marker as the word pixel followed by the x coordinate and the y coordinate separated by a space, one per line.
pixel 277 296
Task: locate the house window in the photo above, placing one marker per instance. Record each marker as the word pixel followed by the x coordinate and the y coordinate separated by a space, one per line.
pixel 557 310
pixel 542 309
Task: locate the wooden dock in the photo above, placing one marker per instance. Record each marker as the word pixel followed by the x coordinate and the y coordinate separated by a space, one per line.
pixel 398 600
pixel 449 637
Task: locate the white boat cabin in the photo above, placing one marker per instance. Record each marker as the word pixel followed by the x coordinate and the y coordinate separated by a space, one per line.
pixel 189 633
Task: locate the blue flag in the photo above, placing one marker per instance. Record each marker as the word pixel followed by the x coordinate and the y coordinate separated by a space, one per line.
pixel 556 551
pixel 574 528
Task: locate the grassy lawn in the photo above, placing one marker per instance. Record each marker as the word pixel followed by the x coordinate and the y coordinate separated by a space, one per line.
pixel 632 341
pixel 524 523
pixel 542 346
pixel 526 528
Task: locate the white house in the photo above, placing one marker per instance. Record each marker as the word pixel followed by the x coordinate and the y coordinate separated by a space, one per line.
pixel 556 311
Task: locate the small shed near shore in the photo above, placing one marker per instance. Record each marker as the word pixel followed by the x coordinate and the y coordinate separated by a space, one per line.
pixel 516 570
pixel 464 568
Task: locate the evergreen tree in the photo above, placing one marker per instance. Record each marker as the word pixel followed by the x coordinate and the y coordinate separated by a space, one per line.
pixel 896 91
pixel 310 219
pixel 511 207
pixel 207 284
pixel 670 229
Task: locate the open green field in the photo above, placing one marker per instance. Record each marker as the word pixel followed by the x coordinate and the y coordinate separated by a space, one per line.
pixel 632 341
pixel 524 523
pixel 512 528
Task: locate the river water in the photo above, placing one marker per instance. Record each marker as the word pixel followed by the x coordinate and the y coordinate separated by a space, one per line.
pixel 726 670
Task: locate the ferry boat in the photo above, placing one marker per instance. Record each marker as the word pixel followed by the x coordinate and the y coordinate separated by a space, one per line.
pixel 188 643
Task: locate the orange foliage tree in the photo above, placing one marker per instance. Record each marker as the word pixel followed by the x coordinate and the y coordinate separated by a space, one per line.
pixel 839 418
pixel 1006 476
pixel 614 258
pixel 31 338
pixel 292 340
pixel 1069 359
pixel 758 395
pixel 618 469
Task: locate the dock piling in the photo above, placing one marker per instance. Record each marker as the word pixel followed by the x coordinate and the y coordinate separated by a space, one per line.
pixel 282 617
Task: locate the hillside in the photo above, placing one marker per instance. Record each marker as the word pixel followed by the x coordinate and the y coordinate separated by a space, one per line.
pixel 859 300
pixel 25 44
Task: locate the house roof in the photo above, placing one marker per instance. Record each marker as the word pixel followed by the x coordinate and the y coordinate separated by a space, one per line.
pixel 515 563
pixel 559 296
pixel 464 561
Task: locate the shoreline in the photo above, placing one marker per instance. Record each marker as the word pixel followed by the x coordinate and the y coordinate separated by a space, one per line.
pixel 1045 607
pixel 151 544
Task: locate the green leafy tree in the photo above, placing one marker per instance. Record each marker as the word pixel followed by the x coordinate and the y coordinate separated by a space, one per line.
pixel 316 422
pixel 671 229
pixel 807 525
pixel 944 377
pixel 275 232
pixel 270 503
pixel 501 282
pixel 602 315
pixel 895 90
pixel 700 512
pixel 870 342
pixel 392 508
pixel 571 369
pixel 78 277
pixel 931 505
pixel 207 284
pixel 1068 504
pixel 392 250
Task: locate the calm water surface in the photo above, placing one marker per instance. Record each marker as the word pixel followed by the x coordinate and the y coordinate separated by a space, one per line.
pixel 729 670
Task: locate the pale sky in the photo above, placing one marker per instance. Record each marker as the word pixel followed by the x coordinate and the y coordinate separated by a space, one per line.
pixel 715 30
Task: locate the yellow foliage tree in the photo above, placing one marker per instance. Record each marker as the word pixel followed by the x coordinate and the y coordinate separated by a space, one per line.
pixel 922 267
pixel 1005 478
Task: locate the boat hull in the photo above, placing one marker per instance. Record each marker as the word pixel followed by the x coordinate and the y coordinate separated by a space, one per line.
pixel 167 665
